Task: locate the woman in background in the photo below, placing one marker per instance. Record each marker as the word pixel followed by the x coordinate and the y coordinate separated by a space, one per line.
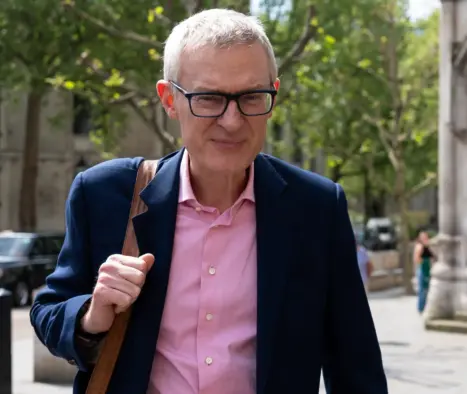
pixel 422 258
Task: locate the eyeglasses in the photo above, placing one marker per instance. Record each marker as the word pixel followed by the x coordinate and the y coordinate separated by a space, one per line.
pixel 214 104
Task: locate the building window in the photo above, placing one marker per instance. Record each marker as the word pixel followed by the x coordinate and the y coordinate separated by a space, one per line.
pixel 82 121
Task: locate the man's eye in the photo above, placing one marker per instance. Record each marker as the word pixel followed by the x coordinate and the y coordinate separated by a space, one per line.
pixel 253 97
pixel 208 98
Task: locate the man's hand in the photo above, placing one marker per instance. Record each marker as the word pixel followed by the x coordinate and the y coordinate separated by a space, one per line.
pixel 119 284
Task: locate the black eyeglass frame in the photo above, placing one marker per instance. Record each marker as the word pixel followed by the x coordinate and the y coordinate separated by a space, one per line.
pixel 228 96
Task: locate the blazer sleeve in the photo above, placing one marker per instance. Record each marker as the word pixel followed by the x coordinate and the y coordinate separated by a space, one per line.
pixel 54 311
pixel 352 360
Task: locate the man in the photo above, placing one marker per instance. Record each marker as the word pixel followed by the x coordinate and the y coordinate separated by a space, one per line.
pixel 251 282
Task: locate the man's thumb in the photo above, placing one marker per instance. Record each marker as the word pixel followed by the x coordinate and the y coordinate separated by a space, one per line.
pixel 149 260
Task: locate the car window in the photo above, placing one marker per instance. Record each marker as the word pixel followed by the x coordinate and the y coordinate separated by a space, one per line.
pixel 54 244
pixel 38 247
pixel 14 246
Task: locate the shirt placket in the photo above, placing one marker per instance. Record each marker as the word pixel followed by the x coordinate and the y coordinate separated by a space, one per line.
pixel 209 318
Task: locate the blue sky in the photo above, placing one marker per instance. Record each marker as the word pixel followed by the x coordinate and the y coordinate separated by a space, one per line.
pixel 418 8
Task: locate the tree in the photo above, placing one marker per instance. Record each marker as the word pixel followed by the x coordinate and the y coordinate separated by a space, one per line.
pixel 407 122
pixel 36 42
pixel 367 96
pixel 326 101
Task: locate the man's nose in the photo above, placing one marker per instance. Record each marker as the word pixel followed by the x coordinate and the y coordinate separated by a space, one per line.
pixel 232 118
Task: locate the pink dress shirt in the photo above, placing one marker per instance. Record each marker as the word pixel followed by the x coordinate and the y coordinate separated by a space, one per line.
pixel 207 339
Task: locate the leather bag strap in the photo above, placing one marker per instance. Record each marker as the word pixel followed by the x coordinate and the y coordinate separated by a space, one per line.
pixel 110 350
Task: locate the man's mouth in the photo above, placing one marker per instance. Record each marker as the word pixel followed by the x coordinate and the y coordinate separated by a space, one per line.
pixel 226 143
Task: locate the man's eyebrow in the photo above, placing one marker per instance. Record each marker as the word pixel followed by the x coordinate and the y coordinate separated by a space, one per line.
pixel 258 86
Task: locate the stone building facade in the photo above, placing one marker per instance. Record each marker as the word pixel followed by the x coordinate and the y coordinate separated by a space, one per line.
pixel 63 152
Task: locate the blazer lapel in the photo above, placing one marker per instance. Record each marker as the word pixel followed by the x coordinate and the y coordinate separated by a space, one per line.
pixel 272 241
pixel 155 231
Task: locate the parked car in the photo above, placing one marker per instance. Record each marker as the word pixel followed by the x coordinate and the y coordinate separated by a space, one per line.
pixel 26 259
pixel 380 234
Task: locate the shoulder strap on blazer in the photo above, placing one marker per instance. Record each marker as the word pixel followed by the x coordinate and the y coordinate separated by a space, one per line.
pixel 108 356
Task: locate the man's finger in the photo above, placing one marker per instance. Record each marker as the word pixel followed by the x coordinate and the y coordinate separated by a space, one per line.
pixel 149 260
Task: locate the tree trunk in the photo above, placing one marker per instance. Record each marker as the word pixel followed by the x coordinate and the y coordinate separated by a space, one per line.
pixel 404 246
pixel 403 203
pixel 27 202
pixel 367 197
pixel 378 204
pixel 374 205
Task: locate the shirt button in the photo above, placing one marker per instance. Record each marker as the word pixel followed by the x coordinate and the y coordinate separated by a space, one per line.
pixel 212 270
pixel 209 316
pixel 208 360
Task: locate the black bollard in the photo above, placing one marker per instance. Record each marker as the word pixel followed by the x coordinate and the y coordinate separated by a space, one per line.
pixel 5 342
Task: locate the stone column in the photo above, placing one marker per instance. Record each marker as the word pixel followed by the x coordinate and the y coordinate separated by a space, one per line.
pixel 448 272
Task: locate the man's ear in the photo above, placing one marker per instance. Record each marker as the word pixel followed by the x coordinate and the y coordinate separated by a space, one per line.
pixel 276 84
pixel 164 91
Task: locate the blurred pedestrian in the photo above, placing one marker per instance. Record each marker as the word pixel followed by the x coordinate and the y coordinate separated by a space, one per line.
pixel 364 263
pixel 422 258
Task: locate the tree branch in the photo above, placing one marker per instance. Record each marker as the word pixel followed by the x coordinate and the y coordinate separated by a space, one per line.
pixel 428 181
pixel 127 90
pixel 383 136
pixel 124 98
pixel 130 96
pixel 112 31
pixel 299 46
pixel 347 174
pixel 166 138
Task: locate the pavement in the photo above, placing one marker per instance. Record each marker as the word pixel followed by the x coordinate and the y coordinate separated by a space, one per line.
pixel 416 361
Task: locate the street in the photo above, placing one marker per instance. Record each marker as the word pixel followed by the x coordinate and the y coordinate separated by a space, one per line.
pixel 416 361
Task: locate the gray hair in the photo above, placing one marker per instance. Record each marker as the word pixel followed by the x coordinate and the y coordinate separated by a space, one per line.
pixel 217 27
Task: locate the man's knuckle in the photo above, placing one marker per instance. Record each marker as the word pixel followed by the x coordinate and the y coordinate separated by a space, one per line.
pixel 126 299
pixel 140 277
pixel 135 293
pixel 104 278
pixel 114 257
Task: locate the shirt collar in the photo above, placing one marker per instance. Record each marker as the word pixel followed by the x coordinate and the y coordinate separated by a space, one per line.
pixel 186 191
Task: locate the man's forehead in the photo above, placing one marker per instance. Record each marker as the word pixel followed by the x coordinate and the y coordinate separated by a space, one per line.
pixel 240 67
pixel 232 86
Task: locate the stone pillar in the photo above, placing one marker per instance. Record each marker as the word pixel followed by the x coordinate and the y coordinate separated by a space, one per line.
pixel 448 273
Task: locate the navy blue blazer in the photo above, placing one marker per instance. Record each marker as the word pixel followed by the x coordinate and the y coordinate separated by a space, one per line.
pixel 312 307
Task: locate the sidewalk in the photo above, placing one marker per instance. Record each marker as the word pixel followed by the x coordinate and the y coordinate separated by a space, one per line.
pixel 416 361
pixel 23 372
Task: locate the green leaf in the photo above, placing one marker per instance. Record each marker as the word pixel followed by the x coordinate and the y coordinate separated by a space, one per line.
pixel 69 85
pixel 364 63
pixel 330 39
pixel 153 54
pixel 115 79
